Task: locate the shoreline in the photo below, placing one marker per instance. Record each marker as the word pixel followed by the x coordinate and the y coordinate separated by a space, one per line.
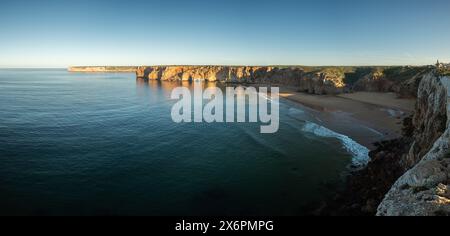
pixel 354 115
pixel 366 117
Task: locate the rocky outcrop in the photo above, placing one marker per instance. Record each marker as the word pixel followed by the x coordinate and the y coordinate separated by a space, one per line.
pixel 322 83
pixel 408 175
pixel 103 69
pixel 425 188
pixel 312 82
pixel 366 188
pixel 409 87
pixel 430 118
pixel 375 81
pixel 316 80
pixel 402 80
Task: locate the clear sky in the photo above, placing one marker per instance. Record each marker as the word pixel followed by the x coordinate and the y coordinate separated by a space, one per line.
pixel 58 33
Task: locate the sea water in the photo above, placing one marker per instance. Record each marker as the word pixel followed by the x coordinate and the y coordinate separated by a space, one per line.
pixel 105 144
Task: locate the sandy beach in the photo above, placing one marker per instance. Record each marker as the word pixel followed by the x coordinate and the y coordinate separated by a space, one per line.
pixel 363 116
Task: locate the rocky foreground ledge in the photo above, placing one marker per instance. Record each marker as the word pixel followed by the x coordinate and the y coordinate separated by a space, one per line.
pixel 408 176
pixel 425 188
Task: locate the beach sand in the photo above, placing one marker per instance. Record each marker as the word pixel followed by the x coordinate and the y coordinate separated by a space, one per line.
pixel 365 117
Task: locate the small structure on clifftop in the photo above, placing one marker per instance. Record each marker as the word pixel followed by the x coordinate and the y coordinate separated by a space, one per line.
pixel 441 65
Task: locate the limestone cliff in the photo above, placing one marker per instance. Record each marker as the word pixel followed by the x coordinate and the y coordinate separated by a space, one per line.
pixel 315 80
pixel 373 82
pixel 402 80
pixel 102 69
pixel 430 118
pixel 408 175
pixel 312 82
pixel 425 188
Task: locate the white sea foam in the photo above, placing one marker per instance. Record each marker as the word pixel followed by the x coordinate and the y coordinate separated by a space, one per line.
pixel 359 152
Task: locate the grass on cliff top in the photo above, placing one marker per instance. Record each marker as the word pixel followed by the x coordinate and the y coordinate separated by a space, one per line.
pixel 351 74
pixel 403 73
pixel 392 73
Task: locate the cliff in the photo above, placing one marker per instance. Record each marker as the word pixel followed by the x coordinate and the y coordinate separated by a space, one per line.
pixel 103 69
pixel 429 120
pixel 317 83
pixel 425 188
pixel 403 80
pixel 315 80
pixel 408 175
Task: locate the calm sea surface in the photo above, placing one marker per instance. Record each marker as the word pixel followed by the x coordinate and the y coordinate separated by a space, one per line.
pixel 105 144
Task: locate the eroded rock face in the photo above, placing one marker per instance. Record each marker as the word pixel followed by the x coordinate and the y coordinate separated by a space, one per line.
pixel 316 83
pixel 409 87
pixel 424 190
pixel 322 83
pixel 402 80
pixel 321 80
pixel 430 118
pixel 374 82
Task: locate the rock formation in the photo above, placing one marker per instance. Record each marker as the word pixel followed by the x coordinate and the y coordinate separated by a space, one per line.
pixel 102 69
pixel 409 175
pixel 313 82
pixel 320 80
pixel 402 80
pixel 425 188
pixel 373 82
pixel 429 118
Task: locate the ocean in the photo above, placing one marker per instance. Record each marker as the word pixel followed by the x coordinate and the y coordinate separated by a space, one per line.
pixel 105 144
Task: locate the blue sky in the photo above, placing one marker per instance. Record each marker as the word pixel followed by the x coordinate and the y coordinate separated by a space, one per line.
pixel 58 33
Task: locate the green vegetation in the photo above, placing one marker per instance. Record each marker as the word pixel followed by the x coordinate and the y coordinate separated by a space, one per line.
pixel 402 73
pixel 353 76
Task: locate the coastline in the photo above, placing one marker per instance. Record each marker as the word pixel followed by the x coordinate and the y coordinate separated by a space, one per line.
pixel 365 117
pixel 102 69
pixel 354 115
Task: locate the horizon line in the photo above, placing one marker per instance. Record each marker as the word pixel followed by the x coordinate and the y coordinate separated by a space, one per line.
pixel 231 65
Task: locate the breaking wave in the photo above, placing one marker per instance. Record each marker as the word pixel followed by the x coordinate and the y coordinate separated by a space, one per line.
pixel 359 152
